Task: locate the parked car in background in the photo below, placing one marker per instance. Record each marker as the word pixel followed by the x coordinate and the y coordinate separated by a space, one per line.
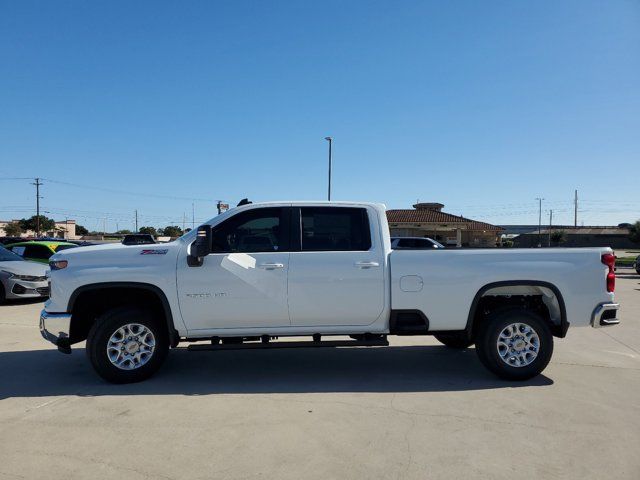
pixel 39 250
pixel 636 265
pixel 21 279
pixel 9 240
pixel 138 239
pixel 414 243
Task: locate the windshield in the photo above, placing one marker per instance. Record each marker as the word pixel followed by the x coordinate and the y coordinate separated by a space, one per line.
pixel 8 256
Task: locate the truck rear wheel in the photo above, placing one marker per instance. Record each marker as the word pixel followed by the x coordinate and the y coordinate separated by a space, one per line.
pixel 515 344
pixel 126 345
pixel 454 340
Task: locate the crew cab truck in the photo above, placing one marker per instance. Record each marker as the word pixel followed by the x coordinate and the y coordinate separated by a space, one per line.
pixel 261 272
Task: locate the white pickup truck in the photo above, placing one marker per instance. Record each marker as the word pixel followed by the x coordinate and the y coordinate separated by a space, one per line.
pixel 323 270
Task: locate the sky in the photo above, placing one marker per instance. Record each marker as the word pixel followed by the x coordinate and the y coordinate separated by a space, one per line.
pixel 167 107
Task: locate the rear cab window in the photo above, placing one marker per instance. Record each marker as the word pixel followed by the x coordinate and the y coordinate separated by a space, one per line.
pixel 38 252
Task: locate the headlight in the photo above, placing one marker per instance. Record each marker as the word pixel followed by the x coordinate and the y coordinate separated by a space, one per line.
pixel 26 278
pixel 58 264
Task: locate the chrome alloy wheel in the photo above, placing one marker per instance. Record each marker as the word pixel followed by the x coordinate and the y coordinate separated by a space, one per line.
pixel 131 346
pixel 518 344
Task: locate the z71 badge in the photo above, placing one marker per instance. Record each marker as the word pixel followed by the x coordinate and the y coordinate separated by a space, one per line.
pixel 155 251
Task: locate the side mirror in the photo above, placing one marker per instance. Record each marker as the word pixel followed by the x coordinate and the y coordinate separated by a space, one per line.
pixel 201 247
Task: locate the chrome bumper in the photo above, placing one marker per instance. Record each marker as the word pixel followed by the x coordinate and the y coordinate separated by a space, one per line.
pixel 55 327
pixel 605 315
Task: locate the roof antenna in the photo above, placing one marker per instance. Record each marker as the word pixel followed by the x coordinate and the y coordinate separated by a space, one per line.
pixel 244 201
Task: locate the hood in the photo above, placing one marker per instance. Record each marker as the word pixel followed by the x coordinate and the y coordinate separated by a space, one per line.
pixel 113 253
pixel 24 268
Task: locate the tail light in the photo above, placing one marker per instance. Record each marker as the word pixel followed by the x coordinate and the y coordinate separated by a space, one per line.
pixel 609 259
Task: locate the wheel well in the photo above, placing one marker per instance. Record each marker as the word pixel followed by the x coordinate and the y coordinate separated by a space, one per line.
pixel 543 299
pixel 89 303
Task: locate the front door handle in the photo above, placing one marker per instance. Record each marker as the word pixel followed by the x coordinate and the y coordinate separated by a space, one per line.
pixel 367 264
pixel 271 266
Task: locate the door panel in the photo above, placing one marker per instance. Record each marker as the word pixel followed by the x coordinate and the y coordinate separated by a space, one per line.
pixel 338 277
pixel 244 283
pixel 328 288
pixel 235 290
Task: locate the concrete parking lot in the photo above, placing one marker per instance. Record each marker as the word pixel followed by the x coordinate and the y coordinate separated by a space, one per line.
pixel 411 410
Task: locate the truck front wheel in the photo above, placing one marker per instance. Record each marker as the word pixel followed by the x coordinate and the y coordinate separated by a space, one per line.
pixel 454 340
pixel 127 344
pixel 515 344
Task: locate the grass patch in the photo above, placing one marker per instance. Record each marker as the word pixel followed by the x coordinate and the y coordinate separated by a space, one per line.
pixel 625 261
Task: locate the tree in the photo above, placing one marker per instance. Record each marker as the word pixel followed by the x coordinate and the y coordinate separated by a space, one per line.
pixel 31 223
pixel 149 230
pixel 124 232
pixel 558 236
pixel 13 229
pixel 170 231
pixel 634 232
pixel 80 230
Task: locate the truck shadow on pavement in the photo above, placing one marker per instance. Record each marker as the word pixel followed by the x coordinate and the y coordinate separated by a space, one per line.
pixel 39 373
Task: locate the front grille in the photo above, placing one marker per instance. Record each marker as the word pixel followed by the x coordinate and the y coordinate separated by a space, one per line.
pixel 44 291
pixel 608 314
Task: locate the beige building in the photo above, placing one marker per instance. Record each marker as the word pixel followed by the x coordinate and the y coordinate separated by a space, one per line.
pixel 428 220
pixel 65 229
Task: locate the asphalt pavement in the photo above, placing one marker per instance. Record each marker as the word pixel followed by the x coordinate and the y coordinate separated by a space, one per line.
pixel 413 410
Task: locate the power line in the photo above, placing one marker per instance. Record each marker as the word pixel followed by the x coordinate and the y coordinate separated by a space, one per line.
pixel 125 192
pixel 37 183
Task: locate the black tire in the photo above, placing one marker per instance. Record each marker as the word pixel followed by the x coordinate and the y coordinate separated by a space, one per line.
pixel 3 296
pixel 107 324
pixel 454 340
pixel 487 344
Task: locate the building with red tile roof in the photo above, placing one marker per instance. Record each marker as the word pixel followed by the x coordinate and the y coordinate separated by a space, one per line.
pixel 428 220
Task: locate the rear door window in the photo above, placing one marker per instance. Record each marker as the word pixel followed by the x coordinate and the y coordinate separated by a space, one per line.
pixel 335 229
pixel 407 243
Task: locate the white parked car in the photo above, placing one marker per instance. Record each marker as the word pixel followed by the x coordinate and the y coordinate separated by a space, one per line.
pixel 414 243
pixel 321 270
pixel 20 279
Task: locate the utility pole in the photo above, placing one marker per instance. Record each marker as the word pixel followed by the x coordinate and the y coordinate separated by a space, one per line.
pixel 575 209
pixel 550 223
pixel 184 219
pixel 330 140
pixel 37 184
pixel 193 216
pixel 136 220
pixel 539 220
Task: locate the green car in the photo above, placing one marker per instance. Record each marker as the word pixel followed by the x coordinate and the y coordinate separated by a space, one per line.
pixel 38 250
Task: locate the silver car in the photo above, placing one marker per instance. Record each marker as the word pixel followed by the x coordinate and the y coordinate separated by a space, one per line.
pixel 20 278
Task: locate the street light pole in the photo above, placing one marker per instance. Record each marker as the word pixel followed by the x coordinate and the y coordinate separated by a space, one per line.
pixel 330 140
pixel 539 221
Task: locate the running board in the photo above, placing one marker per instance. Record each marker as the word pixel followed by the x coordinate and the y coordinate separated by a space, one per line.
pixel 312 344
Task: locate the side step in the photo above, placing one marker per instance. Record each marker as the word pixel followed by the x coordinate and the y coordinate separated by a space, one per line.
pixel 376 342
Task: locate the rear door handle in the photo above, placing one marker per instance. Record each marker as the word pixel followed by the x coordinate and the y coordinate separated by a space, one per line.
pixel 367 264
pixel 271 266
